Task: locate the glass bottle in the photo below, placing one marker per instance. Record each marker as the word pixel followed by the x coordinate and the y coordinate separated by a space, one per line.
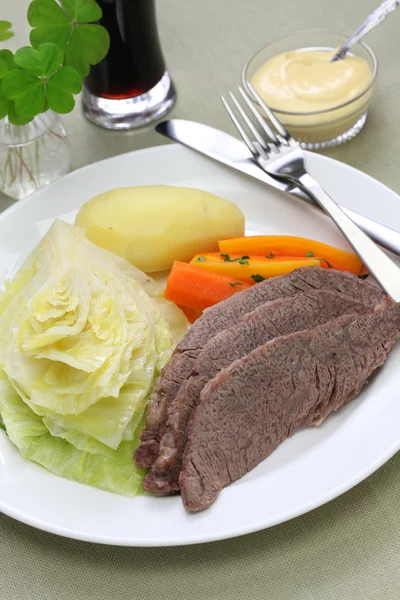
pixel 130 87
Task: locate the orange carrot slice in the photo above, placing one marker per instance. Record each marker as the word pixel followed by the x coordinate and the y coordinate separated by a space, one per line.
pixel 286 245
pixel 251 269
pixel 194 287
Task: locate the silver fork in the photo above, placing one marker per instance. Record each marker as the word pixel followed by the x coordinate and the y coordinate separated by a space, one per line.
pixel 279 155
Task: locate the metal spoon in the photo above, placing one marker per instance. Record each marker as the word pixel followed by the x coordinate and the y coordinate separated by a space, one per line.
pixel 374 19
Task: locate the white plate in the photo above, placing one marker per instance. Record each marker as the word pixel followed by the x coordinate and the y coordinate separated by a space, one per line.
pixel 309 469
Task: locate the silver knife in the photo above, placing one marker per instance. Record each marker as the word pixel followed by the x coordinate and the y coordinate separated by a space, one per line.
pixel 232 152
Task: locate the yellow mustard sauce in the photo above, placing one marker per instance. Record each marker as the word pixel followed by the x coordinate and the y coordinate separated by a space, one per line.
pixel 305 81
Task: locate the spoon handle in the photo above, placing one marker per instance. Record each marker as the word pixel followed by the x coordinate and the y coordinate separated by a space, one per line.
pixel 374 19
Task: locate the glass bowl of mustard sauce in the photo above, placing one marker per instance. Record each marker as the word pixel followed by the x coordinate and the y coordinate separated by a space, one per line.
pixel 321 103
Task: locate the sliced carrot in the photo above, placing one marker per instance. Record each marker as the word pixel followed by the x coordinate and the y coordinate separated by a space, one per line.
pixel 287 245
pixel 192 314
pixel 194 287
pixel 251 269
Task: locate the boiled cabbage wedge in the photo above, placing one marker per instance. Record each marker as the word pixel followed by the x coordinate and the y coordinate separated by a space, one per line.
pixel 83 336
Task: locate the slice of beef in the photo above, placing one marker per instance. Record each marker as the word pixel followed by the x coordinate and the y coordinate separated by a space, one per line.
pixel 248 409
pixel 223 315
pixel 167 386
pixel 267 322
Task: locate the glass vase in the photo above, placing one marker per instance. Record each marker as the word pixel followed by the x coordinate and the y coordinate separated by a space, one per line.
pixel 32 155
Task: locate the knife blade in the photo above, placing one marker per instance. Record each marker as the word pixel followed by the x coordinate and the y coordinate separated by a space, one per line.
pixel 233 153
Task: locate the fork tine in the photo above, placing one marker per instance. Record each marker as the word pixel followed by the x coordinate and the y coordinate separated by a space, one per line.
pixel 249 123
pixel 240 129
pixel 259 118
pixel 281 129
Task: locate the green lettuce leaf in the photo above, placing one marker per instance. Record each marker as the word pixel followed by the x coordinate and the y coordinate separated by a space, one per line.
pixel 83 337
pixel 113 471
pixel 73 333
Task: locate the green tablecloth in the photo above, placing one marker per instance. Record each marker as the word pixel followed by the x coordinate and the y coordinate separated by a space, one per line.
pixel 348 549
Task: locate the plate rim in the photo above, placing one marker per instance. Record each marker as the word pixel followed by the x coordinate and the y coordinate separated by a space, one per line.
pixel 302 509
pixel 18 204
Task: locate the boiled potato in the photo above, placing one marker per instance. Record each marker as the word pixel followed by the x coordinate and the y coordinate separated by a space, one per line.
pixel 151 226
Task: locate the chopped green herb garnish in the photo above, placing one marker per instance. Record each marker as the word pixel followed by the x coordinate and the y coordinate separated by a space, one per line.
pixel 235 283
pixel 364 276
pixel 201 259
pixel 242 260
pixel 328 263
pixel 270 255
pixel 258 278
pixel 309 254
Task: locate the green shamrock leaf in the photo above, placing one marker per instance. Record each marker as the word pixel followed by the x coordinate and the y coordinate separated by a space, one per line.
pixel 41 62
pixel 31 102
pixel 4 105
pixel 51 23
pixel 83 11
pixel 26 90
pixel 71 27
pixel 66 40
pixel 15 118
pixel 60 88
pixel 86 47
pixel 3 68
pixel 16 83
pixel 5 33
pixel 8 57
pixel 6 64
